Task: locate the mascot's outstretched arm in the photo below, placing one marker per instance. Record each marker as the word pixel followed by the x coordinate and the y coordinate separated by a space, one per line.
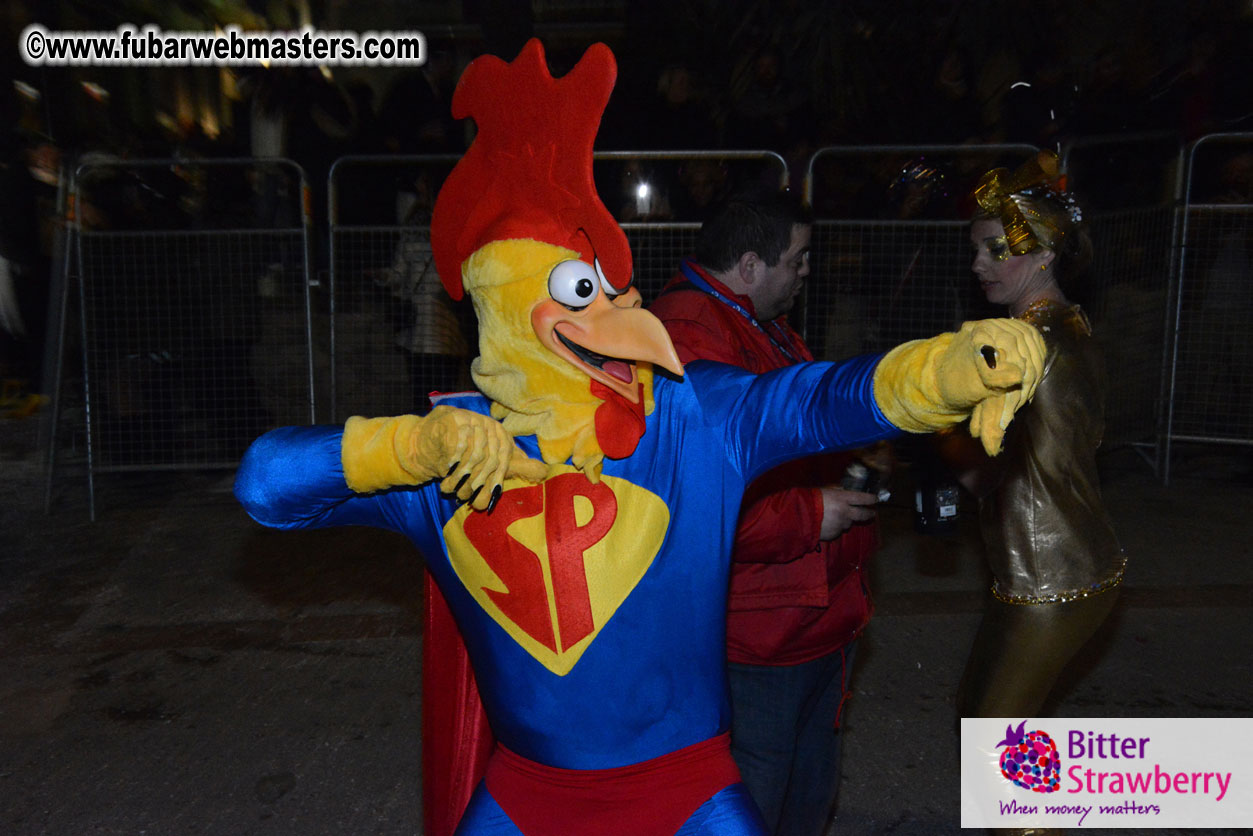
pixel 468 451
pixel 986 370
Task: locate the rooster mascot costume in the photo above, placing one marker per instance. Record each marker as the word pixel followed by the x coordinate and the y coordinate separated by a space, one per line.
pixel 577 511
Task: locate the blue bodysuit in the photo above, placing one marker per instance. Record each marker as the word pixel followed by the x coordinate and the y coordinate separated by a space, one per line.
pixel 594 614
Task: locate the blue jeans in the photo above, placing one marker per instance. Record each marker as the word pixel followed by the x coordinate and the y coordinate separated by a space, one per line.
pixel 786 741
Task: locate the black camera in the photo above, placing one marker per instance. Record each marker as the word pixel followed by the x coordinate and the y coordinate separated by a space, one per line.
pixel 860 476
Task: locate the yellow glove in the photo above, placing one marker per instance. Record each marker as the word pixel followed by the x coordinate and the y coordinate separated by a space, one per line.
pixel 987 370
pixel 466 450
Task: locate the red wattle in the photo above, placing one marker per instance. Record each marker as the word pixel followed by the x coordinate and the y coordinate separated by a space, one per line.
pixel 619 423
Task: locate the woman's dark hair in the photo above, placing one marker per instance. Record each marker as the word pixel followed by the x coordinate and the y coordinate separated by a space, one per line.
pixel 1074 257
pixel 1072 244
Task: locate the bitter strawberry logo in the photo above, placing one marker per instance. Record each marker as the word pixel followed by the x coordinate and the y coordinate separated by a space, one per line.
pixel 1030 759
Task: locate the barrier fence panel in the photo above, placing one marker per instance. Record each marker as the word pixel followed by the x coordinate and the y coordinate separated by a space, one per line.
pixel 1211 374
pixel 52 433
pixel 657 249
pixel 395 336
pixel 891 255
pixel 891 259
pixel 194 309
pixel 876 284
pixel 1127 186
pixel 661 197
pixel 196 325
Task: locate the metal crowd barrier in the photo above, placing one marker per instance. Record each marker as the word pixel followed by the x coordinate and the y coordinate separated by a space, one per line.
pixel 1128 185
pixel 50 429
pixel 1209 392
pixel 194 320
pixel 197 331
pixel 395 337
pixel 891 251
pixel 394 334
pixel 892 258
pixel 661 197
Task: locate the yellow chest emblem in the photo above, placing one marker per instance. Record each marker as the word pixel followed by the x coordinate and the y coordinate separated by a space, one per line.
pixel 554 561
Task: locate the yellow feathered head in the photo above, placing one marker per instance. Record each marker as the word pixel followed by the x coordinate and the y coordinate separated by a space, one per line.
pixel 566 350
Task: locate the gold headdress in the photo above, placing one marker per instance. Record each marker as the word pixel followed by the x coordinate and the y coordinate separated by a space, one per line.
pixel 1031 203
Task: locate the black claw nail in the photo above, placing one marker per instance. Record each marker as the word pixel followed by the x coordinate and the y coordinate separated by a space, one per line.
pixel 455 465
pixel 491 503
pixel 460 483
pixel 476 493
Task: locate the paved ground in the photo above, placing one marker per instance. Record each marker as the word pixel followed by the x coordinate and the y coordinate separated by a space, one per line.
pixel 174 668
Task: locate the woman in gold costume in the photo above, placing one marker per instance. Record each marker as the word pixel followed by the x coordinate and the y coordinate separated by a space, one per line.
pixel 1055 560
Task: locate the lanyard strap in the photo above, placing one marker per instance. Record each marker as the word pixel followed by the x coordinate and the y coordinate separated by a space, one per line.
pixel 699 282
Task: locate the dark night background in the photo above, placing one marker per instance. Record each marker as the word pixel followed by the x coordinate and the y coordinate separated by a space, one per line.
pixel 172 667
pixel 788 75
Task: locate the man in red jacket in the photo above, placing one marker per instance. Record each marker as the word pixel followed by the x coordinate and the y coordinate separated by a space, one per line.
pixel 799 598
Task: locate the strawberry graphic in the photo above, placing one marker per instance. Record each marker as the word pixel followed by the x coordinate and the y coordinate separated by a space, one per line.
pixel 1030 759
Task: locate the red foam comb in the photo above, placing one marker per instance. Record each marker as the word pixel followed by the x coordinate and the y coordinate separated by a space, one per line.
pixel 528 172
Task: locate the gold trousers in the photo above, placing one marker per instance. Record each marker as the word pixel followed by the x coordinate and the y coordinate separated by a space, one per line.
pixel 1021 649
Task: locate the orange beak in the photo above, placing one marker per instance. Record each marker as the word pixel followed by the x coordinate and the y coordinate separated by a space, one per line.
pixel 607 339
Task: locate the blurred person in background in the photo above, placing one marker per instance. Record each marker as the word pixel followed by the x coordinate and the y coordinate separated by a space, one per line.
pixel 23 272
pixel 432 333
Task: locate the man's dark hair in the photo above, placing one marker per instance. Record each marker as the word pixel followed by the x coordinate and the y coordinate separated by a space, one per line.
pixel 758 220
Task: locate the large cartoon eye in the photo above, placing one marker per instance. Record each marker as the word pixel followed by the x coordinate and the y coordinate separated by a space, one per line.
pixel 574 284
pixel 606 285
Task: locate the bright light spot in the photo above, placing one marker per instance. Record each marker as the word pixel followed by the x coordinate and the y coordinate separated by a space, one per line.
pixel 95 91
pixel 1020 84
pixel 642 191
